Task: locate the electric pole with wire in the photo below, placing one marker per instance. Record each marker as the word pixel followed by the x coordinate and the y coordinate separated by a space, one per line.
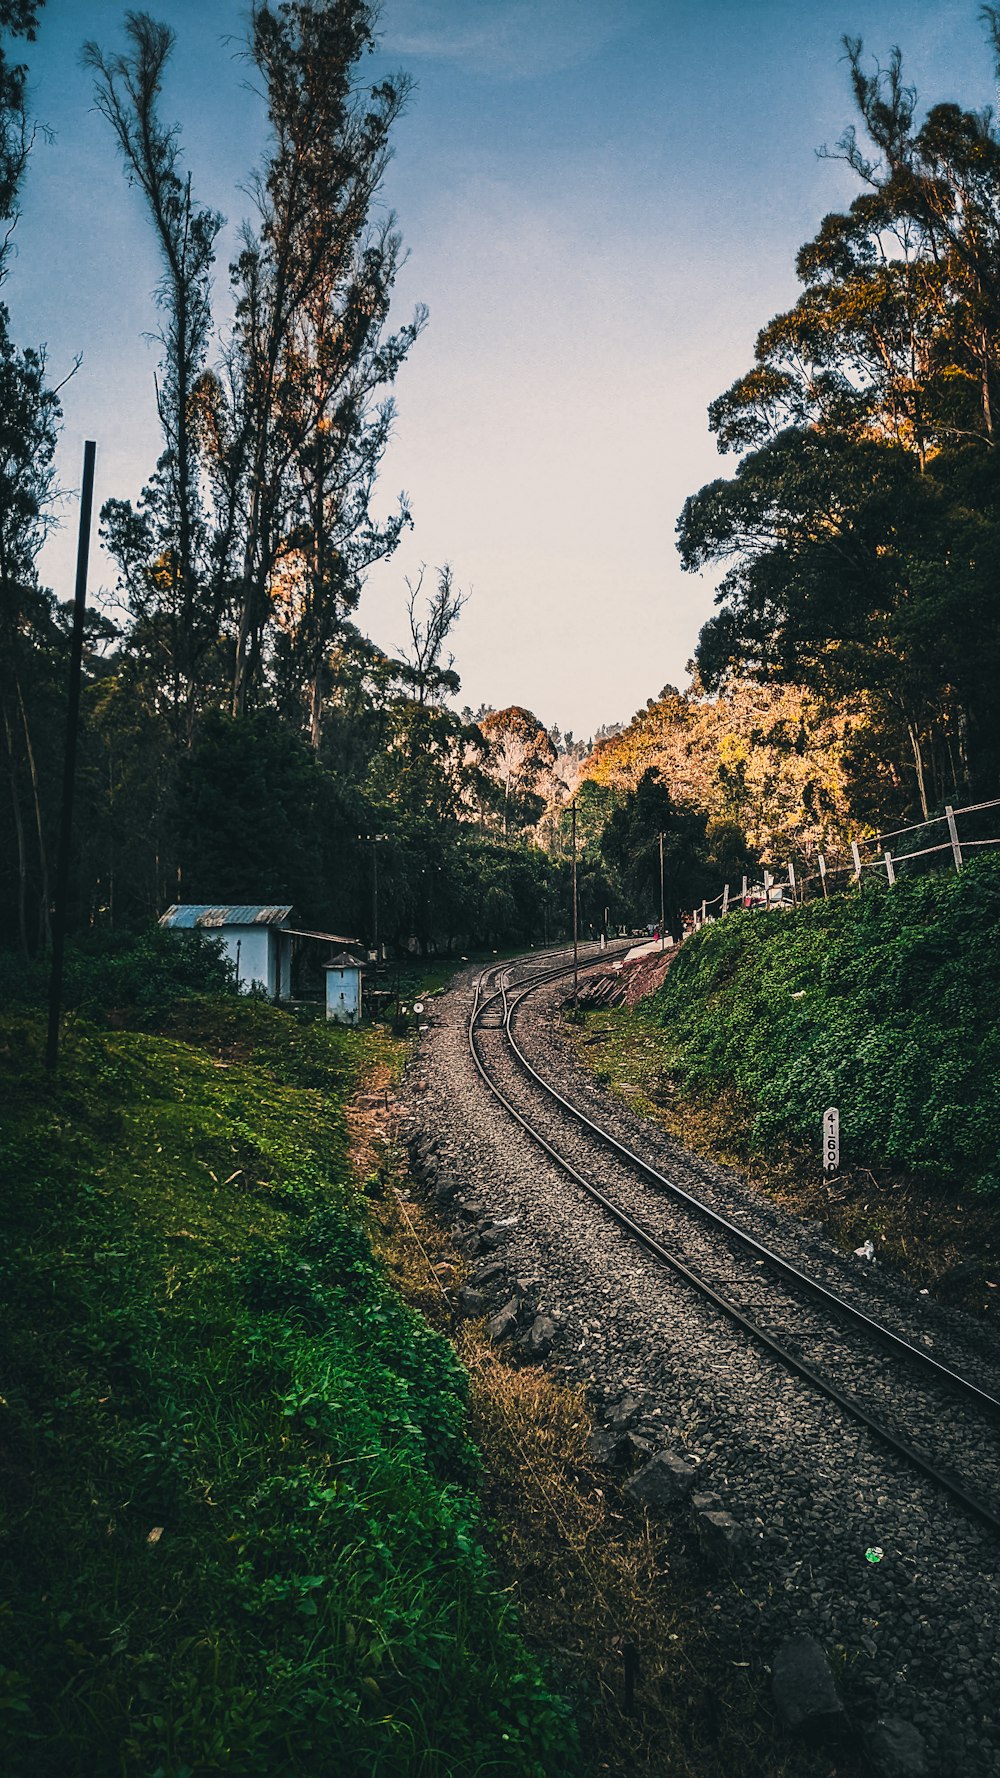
pixel 576 922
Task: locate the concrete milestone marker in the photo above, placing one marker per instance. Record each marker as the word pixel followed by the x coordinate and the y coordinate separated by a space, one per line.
pixel 831 1140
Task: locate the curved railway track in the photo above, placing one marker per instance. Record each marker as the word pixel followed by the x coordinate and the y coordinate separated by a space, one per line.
pixel 943 1422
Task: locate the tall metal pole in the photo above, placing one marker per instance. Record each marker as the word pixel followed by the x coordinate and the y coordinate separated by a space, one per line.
pixel 662 934
pixel 69 760
pixel 576 922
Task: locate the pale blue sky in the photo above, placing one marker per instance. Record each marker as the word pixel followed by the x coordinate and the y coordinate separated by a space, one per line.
pixel 602 200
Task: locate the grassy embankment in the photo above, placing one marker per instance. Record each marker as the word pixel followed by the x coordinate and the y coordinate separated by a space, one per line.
pixel 883 1004
pixel 241 1531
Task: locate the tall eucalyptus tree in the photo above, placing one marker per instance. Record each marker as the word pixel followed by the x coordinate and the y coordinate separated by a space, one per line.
pixel 307 356
pixel 162 545
pixel 861 532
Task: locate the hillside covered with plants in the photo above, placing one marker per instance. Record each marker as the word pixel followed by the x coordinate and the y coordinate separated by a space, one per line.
pixel 882 1003
pixel 237 1487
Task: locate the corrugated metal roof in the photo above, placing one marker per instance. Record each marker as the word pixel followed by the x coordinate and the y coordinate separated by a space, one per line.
pixel 198 913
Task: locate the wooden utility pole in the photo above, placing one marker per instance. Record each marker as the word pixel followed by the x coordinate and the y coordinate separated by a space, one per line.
pixel 375 839
pixel 59 913
pixel 576 923
pixel 662 910
pixel 953 835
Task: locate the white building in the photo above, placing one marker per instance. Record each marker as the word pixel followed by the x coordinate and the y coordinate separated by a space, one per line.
pixel 257 941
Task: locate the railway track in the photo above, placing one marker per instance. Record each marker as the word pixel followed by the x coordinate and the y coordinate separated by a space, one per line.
pixel 943 1421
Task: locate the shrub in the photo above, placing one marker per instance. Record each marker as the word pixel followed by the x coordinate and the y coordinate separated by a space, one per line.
pixel 881 1002
pixel 141 974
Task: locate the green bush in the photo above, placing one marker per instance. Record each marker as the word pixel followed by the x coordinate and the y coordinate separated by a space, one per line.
pixel 142 974
pixel 882 1003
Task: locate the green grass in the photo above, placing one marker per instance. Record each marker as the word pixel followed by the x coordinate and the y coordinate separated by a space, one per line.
pixel 627 1051
pixel 881 1003
pixel 239 1527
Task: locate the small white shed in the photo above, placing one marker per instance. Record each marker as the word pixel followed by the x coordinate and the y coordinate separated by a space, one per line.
pixel 343 990
pixel 258 941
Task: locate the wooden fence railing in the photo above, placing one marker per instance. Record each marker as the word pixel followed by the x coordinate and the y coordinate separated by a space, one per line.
pixel 840 869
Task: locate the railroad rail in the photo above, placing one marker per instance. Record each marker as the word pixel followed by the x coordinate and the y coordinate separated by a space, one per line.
pixel 494 1009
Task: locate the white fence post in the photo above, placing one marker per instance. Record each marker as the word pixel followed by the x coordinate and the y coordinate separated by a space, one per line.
pixel 889 871
pixel 822 874
pixel 704 906
pixel 725 899
pixel 856 855
pixel 791 879
pixel 953 831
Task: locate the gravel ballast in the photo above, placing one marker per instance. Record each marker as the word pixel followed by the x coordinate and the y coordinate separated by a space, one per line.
pixel 794 1493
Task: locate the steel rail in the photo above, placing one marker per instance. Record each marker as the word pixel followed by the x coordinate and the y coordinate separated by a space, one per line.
pixel 550 975
pixel 964 1385
pixel 977 1508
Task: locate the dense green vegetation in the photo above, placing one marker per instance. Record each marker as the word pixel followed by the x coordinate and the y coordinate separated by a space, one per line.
pixel 882 1003
pixel 109 973
pixel 239 1526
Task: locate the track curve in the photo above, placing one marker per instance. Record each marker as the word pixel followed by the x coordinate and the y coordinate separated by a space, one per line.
pixel 551 1135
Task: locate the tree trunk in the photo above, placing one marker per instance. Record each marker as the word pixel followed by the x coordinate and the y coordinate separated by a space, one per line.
pixel 315 706
pixel 918 760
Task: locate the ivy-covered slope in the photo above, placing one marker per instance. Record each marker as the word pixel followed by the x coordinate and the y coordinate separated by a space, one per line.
pixel 238 1527
pixel 883 1003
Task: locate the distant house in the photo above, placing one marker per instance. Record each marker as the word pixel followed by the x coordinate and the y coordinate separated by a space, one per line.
pixel 257 941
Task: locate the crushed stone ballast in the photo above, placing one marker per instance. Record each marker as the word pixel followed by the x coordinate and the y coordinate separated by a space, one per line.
pixel 983 1398
pixel 809 1491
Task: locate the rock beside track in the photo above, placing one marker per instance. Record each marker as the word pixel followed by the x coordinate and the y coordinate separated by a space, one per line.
pixel 723 1541
pixel 666 1480
pixel 896 1749
pixel 805 1692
